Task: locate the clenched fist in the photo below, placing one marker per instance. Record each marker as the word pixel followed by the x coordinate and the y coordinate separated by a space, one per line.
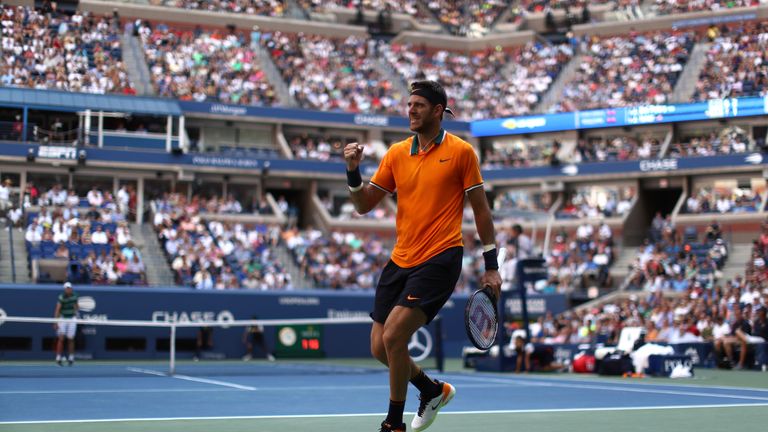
pixel 353 154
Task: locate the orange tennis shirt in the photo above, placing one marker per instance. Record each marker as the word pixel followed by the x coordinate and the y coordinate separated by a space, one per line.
pixel 430 194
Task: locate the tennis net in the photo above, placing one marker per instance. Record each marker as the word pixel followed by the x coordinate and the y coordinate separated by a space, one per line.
pixel 201 348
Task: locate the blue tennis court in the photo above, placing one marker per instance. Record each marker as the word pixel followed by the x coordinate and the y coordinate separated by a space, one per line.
pixel 304 396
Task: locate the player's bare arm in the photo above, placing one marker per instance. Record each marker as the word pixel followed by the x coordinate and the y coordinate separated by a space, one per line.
pixel 364 196
pixel 487 233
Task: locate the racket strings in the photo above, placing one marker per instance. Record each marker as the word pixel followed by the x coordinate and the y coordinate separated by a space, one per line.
pixel 482 323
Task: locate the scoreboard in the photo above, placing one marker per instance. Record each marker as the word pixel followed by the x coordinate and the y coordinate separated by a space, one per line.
pixel 299 341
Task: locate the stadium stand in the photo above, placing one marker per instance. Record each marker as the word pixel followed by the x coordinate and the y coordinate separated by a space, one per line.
pixel 341 260
pixel 206 66
pixel 492 83
pixel 627 70
pixel 216 254
pixel 583 217
pixel 735 63
pixel 669 7
pixel 80 53
pixel 330 75
pixel 729 140
pixel 272 8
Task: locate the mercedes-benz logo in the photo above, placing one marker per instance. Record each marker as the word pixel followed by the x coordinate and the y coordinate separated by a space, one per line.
pixel 420 346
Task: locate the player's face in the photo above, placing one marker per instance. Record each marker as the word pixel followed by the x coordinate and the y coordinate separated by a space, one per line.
pixel 421 113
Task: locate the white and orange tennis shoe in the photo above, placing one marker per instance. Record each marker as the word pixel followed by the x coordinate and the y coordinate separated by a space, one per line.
pixel 429 407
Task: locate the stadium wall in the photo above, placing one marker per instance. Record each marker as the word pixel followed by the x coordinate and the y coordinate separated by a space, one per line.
pixel 167 304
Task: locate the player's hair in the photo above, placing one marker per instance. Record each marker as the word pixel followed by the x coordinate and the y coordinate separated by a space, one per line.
pixel 432 91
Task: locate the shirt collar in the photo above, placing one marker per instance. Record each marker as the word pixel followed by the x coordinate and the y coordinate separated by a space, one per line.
pixel 438 140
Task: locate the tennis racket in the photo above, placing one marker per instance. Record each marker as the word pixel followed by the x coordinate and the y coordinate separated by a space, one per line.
pixel 481 317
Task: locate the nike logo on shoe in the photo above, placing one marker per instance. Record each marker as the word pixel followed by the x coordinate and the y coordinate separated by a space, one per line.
pixel 442 399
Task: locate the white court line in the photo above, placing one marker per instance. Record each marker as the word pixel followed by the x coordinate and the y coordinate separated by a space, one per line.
pixel 147 371
pixel 261 389
pixel 193 379
pixel 443 413
pixel 615 380
pixel 151 390
pixel 613 388
pixel 217 382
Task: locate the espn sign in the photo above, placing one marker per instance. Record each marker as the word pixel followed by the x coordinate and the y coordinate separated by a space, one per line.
pixel 57 152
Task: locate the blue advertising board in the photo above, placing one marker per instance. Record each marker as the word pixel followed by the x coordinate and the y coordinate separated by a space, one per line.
pixel 357 119
pixel 188 305
pixel 626 167
pixel 624 116
pixel 288 165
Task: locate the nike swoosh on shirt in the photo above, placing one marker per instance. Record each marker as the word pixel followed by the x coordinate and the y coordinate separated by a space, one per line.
pixel 412 298
pixel 445 160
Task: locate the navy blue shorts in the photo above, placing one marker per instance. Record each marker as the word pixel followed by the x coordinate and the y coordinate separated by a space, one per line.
pixel 427 286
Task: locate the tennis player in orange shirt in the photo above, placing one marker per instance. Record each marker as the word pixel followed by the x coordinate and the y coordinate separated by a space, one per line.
pixel 432 172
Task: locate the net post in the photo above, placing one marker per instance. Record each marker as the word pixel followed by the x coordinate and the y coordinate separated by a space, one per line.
pixel 172 363
pixel 439 353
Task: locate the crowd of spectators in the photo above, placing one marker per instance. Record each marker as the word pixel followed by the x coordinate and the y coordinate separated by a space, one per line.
pixel 484 84
pixel 725 315
pixel 676 260
pixel 620 148
pixel 406 7
pixel 669 7
pixel 597 202
pixel 345 210
pixel 333 75
pixel 545 5
pixel 723 200
pixel 51 50
pixel 757 267
pixel 218 255
pixel 339 260
pixel 472 19
pixel 728 141
pixel 581 259
pixel 632 69
pixel 736 62
pixel 522 153
pixel 316 147
pixel 273 8
pixel 95 240
pixel 574 260
pixel 517 206
pixel 206 66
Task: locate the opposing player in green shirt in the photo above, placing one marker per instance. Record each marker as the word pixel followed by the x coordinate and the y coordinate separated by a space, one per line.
pixel 66 308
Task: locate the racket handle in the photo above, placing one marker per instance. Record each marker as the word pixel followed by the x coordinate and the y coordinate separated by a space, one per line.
pixel 501 256
pixel 487 288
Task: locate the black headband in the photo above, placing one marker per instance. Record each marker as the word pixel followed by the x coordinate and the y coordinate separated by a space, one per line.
pixel 433 97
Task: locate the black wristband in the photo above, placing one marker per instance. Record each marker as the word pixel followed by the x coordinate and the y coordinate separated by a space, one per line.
pixel 354 179
pixel 491 261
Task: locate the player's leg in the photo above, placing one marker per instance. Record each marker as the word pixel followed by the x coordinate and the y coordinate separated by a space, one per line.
pixel 258 339
pixel 59 346
pixel 71 330
pixel 429 286
pixel 248 347
pixel 401 323
pixel 388 292
pixel 377 343
pixel 417 377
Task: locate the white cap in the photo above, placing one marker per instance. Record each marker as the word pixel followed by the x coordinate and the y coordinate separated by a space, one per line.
pixel 67 285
